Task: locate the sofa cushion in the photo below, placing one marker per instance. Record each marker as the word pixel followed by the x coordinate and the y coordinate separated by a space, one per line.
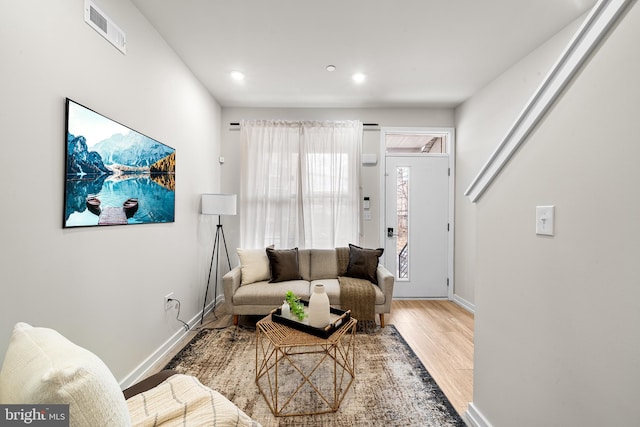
pixel 270 294
pixel 332 288
pixel 324 264
pixel 304 263
pixel 363 263
pixel 283 264
pixel 41 366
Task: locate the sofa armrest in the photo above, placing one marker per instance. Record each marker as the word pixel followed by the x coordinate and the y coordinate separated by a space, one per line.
pixel 386 281
pixel 148 383
pixel 231 282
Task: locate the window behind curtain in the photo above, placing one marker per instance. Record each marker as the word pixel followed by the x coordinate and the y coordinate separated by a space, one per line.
pixel 300 183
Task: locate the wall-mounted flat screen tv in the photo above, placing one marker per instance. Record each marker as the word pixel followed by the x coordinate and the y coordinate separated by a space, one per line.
pixel 114 175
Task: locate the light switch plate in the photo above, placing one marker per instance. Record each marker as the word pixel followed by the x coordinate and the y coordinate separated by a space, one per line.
pixel 545 220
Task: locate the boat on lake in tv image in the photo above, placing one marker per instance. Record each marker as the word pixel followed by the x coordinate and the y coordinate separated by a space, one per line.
pixel 114 175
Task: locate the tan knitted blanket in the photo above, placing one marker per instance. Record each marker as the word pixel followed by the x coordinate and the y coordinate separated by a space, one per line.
pixel 357 295
pixel 342 255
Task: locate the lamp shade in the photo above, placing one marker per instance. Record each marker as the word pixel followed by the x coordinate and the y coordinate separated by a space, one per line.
pixel 219 204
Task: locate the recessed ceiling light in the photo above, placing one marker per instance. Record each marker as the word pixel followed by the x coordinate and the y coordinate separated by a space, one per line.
pixel 237 75
pixel 331 67
pixel 359 77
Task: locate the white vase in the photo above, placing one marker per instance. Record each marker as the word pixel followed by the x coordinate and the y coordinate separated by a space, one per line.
pixel 319 307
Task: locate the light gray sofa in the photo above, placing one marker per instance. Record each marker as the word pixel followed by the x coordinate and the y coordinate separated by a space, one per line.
pixel 314 266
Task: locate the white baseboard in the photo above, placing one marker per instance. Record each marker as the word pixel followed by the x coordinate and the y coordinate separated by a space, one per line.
pixel 475 418
pixel 460 301
pixel 149 365
pixel 464 304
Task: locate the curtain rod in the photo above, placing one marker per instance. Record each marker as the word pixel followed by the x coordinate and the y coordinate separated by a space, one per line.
pixel 364 124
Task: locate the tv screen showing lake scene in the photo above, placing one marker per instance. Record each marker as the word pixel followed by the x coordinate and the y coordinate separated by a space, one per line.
pixel 115 175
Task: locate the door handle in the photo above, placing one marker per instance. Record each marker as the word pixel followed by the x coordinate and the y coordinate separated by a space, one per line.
pixel 390 232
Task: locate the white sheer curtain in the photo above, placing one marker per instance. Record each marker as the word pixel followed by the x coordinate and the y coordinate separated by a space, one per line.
pixel 330 178
pixel 300 183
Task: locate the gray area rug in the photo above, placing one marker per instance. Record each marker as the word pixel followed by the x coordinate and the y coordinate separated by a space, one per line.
pixel 392 387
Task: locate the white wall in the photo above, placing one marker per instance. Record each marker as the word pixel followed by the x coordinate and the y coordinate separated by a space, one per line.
pixel 558 318
pixel 230 141
pixel 482 122
pixel 101 287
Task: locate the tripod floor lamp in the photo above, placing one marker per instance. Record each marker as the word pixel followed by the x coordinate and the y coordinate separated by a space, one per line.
pixel 217 204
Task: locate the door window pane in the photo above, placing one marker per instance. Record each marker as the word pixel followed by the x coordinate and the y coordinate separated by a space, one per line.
pixel 402 208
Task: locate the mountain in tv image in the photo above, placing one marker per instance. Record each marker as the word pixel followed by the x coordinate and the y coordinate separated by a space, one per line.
pixel 81 161
pixel 133 150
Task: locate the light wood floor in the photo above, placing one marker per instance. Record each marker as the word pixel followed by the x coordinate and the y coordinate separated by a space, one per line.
pixel 441 335
pixel 439 332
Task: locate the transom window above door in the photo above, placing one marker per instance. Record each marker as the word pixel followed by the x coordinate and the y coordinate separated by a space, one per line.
pixel 403 143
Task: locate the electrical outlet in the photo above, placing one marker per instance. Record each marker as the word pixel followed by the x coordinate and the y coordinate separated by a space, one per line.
pixel 167 303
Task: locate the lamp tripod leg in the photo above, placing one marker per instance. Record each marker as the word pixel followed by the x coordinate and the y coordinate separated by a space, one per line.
pixel 216 244
pixel 215 255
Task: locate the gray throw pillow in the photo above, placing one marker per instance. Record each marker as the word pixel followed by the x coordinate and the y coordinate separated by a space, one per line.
pixel 363 263
pixel 283 264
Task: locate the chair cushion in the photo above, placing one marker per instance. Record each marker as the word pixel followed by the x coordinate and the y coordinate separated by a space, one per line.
pixel 41 366
pixel 184 400
pixel 148 383
pixel 363 263
pixel 254 265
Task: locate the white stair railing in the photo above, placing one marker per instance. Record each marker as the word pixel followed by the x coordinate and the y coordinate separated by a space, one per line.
pixel 602 18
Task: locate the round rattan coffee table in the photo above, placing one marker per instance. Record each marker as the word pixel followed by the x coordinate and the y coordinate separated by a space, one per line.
pixel 301 374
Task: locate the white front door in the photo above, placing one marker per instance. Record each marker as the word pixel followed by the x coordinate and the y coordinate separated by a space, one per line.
pixel 417 224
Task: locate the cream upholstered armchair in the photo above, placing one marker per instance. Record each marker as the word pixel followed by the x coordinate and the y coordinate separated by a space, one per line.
pixel 43 367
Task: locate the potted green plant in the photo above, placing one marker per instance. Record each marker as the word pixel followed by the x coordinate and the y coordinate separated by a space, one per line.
pixel 296 307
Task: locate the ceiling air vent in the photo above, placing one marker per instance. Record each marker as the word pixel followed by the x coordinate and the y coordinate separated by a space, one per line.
pixel 105 26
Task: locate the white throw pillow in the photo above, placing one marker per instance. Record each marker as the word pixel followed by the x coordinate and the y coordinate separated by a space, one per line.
pixel 41 366
pixel 254 265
